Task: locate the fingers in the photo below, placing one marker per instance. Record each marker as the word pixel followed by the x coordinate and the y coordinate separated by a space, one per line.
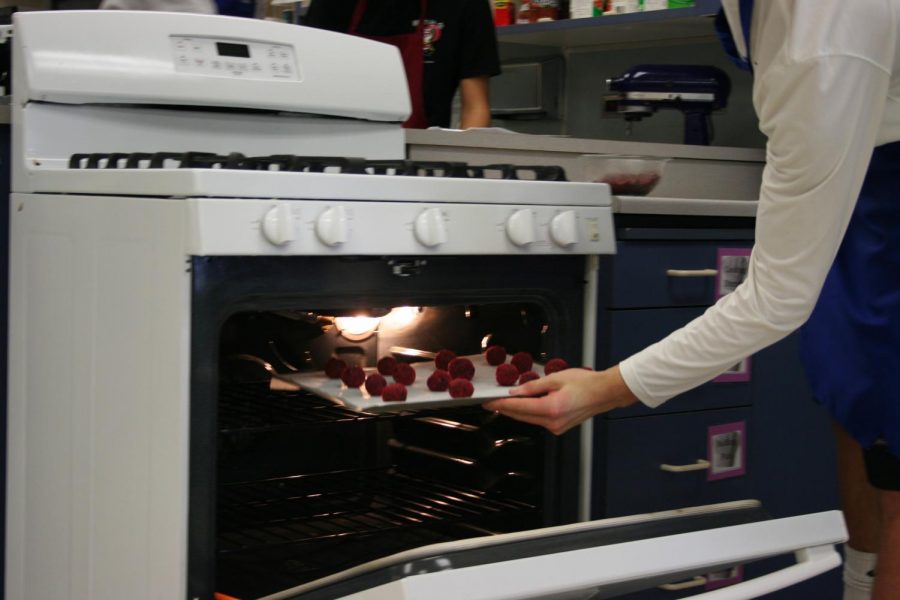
pixel 536 387
pixel 517 405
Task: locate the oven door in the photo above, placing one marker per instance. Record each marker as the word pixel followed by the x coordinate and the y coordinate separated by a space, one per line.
pixel 599 559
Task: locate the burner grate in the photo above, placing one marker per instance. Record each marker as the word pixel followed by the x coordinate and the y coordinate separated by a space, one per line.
pixel 314 164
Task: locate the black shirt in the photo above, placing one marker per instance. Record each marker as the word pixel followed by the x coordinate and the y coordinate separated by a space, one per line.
pixel 460 40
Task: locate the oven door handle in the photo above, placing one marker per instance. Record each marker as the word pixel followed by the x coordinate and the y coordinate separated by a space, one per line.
pixel 810 562
pixel 810 538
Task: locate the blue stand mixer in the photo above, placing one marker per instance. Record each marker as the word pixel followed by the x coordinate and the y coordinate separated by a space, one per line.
pixel 695 90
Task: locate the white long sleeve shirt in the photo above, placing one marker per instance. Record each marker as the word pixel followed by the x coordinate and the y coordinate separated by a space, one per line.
pixel 827 91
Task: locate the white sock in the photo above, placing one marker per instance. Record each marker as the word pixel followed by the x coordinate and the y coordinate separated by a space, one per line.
pixel 859 571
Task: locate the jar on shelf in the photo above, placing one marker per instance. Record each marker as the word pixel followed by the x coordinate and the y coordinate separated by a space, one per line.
pixel 504 12
pixel 544 10
pixel 523 15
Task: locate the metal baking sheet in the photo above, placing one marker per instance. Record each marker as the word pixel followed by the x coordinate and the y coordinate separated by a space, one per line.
pixel 418 396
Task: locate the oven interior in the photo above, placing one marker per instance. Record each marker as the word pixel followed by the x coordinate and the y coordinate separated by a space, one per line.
pixel 305 487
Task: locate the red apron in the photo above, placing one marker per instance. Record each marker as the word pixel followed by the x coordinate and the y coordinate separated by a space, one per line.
pixel 410 46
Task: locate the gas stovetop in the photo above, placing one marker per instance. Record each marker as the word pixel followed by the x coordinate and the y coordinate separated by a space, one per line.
pixel 314 164
pixel 287 176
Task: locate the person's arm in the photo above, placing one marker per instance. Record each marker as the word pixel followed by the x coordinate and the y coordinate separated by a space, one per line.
pixel 479 60
pixel 821 115
pixel 475 105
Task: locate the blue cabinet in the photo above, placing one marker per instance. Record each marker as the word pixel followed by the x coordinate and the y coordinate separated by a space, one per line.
pixel 789 452
pixel 637 480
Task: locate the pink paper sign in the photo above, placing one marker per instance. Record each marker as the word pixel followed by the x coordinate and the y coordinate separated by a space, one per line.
pixel 724 578
pixel 731 269
pixel 727 450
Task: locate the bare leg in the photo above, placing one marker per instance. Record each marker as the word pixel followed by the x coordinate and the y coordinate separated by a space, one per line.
pixel 887 574
pixel 859 500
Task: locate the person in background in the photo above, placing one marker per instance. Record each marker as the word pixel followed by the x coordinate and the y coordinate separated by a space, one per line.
pixel 193 6
pixel 827 257
pixel 445 45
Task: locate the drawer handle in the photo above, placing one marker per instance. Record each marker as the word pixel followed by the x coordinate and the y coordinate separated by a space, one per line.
pixel 700 465
pixel 684 585
pixel 692 272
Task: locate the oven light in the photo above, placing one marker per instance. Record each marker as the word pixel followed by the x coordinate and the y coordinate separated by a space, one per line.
pixel 400 317
pixel 356 326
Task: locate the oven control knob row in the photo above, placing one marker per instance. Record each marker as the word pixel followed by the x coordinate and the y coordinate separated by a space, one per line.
pixel 278 225
pixel 564 228
pixel 429 227
pixel 331 226
pixel 521 228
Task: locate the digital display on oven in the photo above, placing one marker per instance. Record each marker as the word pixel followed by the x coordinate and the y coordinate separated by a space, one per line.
pixel 235 50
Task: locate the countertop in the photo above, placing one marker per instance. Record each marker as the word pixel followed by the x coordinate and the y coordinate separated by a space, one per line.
pixel 488 138
pixel 698 181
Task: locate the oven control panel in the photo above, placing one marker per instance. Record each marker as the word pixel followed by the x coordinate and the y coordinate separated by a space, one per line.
pixel 234 58
pixel 321 228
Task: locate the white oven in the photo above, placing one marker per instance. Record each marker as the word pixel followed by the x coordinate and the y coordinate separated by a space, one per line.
pixel 197 202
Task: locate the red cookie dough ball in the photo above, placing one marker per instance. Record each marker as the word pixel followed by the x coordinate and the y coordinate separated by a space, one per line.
pixel 554 365
pixel 442 359
pixel 386 365
pixel 528 376
pixel 396 392
pixel 404 374
pixel 439 381
pixel 507 374
pixel 375 384
pixel 495 355
pixel 523 361
pixel 461 367
pixel 334 367
pixel 353 377
pixel 461 388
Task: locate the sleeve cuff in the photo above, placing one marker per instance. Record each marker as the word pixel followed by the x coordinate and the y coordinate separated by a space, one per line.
pixel 629 372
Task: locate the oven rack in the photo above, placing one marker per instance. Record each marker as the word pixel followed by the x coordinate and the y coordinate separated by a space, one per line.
pixel 248 575
pixel 348 504
pixel 254 408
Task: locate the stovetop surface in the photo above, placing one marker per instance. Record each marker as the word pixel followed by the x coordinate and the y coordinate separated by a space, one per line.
pixel 314 164
pixel 207 175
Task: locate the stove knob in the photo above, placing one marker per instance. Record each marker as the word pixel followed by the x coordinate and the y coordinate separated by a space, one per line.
pixel 564 228
pixel 331 226
pixel 430 228
pixel 278 225
pixel 520 227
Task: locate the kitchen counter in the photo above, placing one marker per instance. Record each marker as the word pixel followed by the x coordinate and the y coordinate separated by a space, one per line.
pixel 655 205
pixel 699 180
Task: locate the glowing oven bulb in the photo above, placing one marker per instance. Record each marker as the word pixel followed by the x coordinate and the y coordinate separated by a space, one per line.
pixel 356 326
pixel 360 327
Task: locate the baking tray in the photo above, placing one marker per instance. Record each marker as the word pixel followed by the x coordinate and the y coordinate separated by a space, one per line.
pixel 418 396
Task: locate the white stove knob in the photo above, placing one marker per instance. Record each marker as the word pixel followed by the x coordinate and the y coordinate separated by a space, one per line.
pixel 429 227
pixel 521 228
pixel 278 224
pixel 331 226
pixel 564 228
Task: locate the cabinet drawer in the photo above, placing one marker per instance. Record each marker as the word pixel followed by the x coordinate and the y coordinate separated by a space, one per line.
pixel 629 454
pixel 630 331
pixel 663 273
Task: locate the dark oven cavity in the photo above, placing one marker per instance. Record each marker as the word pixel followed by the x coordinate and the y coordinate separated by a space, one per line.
pixel 288 487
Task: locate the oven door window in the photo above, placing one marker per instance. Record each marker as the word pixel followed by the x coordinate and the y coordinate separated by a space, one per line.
pixel 303 487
